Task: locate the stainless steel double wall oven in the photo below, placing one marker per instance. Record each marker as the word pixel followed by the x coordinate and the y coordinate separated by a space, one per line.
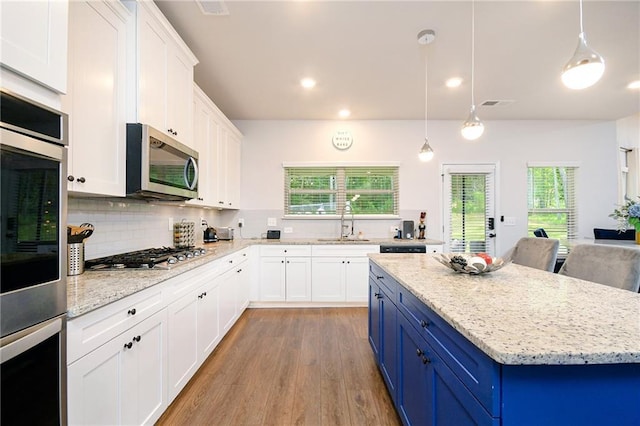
pixel 33 262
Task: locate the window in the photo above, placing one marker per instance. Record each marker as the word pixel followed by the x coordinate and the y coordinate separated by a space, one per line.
pixel 552 203
pixel 327 190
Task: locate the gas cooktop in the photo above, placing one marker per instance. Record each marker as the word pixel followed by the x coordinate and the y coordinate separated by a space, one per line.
pixel 159 258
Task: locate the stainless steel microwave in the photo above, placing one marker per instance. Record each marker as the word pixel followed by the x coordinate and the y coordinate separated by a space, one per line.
pixel 158 166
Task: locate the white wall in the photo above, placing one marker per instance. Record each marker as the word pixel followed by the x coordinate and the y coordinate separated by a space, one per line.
pixel 267 144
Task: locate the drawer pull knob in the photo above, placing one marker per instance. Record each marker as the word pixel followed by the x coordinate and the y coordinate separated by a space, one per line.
pixel 378 295
pixel 425 360
pixel 424 323
pixel 136 339
pixel 379 277
pixel 132 311
pixel 128 345
pixel 419 352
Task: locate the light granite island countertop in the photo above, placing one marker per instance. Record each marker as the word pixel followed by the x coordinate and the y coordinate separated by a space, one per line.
pixel 523 316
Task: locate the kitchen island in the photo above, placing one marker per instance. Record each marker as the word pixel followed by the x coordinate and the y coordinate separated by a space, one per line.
pixel 517 346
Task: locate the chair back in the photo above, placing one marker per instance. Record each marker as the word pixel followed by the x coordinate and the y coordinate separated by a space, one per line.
pixel 539 253
pixel 604 264
pixel 540 233
pixel 614 234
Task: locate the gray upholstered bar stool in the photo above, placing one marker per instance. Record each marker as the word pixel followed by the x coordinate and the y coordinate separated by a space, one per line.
pixel 604 264
pixel 539 253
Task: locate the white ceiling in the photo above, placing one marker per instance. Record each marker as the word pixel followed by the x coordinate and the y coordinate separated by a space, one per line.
pixel 365 57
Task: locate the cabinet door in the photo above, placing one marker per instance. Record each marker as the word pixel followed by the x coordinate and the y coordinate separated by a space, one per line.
pixel 328 277
pixel 357 279
pixel 298 279
pixel 149 340
pixel 228 299
pixel 374 319
pixel 233 171
pixel 222 166
pixel 414 397
pixel 179 97
pixel 96 98
pixel 121 382
pixel 201 143
pixel 34 41
pixel 244 286
pixel 208 319
pixel 183 338
pixel 96 385
pixel 388 345
pixel 153 50
pixel 272 279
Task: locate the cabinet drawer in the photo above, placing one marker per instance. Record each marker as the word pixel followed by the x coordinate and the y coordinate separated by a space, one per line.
pixel 178 286
pixel 479 373
pixel 383 280
pixel 344 250
pixel 232 260
pixel 87 332
pixel 285 250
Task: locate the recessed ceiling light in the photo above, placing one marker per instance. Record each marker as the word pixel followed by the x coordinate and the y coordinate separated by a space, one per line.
pixel 453 82
pixel 634 85
pixel 307 83
pixel 344 113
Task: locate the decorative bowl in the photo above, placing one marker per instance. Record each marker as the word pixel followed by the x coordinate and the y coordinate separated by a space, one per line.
pixel 471 264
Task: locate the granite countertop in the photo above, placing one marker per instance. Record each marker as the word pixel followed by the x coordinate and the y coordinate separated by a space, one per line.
pixel 94 289
pixel 520 315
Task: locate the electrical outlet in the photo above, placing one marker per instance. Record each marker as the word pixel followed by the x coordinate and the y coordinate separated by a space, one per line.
pixel 393 229
pixel 240 223
pixel 271 221
pixel 203 222
pixel 170 224
pixel 288 230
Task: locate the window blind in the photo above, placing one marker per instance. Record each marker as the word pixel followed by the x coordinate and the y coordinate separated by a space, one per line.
pixel 470 201
pixel 551 200
pixel 327 190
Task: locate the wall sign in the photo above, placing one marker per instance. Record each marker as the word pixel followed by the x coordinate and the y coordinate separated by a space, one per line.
pixel 342 140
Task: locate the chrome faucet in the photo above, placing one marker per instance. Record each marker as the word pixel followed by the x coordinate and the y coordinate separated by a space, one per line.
pixel 347 209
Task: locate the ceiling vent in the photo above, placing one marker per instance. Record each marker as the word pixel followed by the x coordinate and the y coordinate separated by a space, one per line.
pixel 495 103
pixel 212 7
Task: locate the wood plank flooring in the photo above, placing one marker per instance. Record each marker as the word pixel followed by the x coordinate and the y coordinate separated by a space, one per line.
pixel 288 367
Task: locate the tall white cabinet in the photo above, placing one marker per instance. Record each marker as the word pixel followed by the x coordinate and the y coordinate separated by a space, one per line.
pixel 34 41
pixel 96 97
pixel 219 146
pixel 160 74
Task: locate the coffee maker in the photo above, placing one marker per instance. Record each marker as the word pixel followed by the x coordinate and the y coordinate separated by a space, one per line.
pixel 210 235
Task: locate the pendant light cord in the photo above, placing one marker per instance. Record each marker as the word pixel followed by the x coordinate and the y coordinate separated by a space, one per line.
pixel 581 28
pixel 473 44
pixel 426 92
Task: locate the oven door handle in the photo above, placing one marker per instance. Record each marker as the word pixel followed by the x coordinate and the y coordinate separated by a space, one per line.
pixel 29 338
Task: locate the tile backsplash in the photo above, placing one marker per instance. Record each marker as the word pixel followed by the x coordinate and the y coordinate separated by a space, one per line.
pixel 126 224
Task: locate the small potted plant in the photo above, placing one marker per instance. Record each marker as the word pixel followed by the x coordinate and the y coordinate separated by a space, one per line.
pixel 628 216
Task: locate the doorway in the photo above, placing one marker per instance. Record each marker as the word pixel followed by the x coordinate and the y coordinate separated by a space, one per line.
pixel 469 208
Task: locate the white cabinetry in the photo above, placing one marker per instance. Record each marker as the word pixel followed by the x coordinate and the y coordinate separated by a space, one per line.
pixel 226 190
pixel 218 143
pixel 194 328
pixel 285 273
pixel 34 41
pixel 234 288
pixel 340 273
pixel 96 97
pixel 434 248
pixel 161 74
pixel 122 382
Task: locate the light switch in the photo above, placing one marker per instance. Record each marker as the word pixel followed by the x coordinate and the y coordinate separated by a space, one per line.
pixel 288 230
pixel 509 221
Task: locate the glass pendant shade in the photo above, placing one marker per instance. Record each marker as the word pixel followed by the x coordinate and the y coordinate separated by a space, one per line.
pixel 472 128
pixel 585 68
pixel 426 153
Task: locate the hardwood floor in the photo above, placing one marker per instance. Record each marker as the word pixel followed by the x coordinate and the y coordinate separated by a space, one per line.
pixel 288 367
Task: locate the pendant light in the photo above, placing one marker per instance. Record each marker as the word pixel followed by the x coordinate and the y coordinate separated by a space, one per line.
pixel 472 128
pixel 426 152
pixel 585 67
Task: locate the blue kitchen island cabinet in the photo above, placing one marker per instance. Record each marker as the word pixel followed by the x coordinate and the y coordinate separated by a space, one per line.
pixel 487 351
pixel 382 326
